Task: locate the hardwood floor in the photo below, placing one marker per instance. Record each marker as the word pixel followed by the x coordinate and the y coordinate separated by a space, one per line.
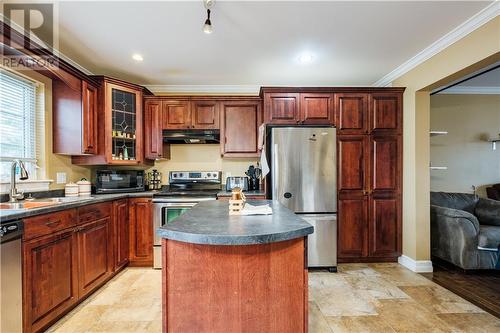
pixel 481 288
pixel 364 298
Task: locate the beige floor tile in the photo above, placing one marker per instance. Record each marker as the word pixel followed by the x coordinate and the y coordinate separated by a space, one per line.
pixel 119 327
pixel 401 276
pixel 335 297
pixel 472 322
pixel 377 287
pixel 407 316
pixel 316 320
pixel 440 300
pixel 361 324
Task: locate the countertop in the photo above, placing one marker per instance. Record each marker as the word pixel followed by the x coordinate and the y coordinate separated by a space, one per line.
pixel 210 223
pixel 247 193
pixel 9 215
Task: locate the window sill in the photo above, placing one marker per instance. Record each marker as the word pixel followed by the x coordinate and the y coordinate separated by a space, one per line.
pixel 27 186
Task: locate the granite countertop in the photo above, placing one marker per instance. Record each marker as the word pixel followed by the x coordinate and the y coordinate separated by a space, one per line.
pixel 247 193
pixel 11 214
pixel 210 223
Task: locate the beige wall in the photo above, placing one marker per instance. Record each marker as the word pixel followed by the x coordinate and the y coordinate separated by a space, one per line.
pixel 470 120
pixel 204 157
pixel 458 59
pixel 51 163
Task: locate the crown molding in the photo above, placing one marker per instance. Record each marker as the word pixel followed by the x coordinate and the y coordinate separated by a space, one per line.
pixel 473 23
pixel 203 89
pixel 468 90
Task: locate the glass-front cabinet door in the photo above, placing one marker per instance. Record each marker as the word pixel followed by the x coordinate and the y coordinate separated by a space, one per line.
pixel 125 128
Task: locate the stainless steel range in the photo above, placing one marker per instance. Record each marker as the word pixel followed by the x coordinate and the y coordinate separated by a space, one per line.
pixel 186 189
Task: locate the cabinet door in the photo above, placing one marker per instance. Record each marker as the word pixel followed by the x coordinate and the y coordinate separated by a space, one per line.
pixel 141 232
pixel 352 226
pixel 50 281
pixel 351 113
pixel 385 163
pixel 239 130
pixel 120 233
pixel 281 108
pixel 176 114
pixel 154 147
pixel 205 114
pixel 386 113
pixel 316 109
pixel 94 253
pixel 385 226
pixel 89 121
pixel 352 163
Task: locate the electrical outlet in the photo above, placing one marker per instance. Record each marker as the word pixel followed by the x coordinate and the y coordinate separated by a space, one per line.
pixel 61 177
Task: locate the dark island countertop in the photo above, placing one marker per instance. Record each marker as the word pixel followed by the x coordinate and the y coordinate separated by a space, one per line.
pixel 210 223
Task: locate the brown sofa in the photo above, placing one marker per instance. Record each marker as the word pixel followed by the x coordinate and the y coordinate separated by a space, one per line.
pixel 493 192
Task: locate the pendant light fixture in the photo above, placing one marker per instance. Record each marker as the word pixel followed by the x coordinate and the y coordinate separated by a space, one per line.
pixel 207 27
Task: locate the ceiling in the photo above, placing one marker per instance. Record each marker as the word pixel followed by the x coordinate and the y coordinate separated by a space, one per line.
pixel 254 43
pixel 488 79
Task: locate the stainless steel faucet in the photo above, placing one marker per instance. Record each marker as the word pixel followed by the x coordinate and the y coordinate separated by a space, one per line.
pixel 14 194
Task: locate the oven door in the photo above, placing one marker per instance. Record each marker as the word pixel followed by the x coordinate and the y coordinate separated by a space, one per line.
pixel 166 212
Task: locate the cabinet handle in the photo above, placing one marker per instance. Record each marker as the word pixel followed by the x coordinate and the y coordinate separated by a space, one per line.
pixel 48 224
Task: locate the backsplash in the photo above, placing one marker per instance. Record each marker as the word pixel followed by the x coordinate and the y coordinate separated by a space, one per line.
pixel 203 157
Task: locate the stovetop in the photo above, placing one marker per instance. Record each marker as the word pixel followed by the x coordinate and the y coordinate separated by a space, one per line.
pixel 192 184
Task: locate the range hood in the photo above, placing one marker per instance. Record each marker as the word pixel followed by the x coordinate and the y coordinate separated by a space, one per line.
pixel 191 136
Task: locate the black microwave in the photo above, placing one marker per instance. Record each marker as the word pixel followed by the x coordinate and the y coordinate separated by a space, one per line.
pixel 117 181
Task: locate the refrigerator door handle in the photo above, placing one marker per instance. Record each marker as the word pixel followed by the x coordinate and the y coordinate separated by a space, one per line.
pixel 275 169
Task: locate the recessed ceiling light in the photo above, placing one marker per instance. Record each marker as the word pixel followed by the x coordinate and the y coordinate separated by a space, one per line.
pixel 306 58
pixel 137 57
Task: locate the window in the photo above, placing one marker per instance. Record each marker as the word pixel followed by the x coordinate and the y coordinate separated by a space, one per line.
pixel 17 123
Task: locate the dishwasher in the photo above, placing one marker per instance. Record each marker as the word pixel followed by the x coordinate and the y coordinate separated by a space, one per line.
pixel 11 291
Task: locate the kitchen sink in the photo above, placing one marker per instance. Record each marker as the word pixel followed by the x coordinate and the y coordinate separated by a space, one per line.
pixel 39 203
pixel 26 205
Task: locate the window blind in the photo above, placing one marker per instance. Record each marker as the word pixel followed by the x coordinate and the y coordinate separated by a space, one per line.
pixel 17 122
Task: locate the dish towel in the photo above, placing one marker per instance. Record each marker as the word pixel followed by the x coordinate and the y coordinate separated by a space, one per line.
pixel 256 210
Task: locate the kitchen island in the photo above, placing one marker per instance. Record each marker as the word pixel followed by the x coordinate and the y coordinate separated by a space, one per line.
pixel 225 273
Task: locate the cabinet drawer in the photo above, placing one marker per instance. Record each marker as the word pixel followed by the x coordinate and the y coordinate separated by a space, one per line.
pixel 49 223
pixel 94 212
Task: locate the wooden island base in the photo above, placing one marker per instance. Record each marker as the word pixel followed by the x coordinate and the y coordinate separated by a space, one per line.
pixel 234 288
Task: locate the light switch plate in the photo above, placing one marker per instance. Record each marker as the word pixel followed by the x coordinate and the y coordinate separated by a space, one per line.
pixel 61 177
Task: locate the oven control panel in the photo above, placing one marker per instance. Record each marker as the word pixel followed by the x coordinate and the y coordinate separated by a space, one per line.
pixel 195 175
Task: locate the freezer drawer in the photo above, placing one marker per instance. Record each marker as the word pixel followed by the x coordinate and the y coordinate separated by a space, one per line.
pixel 322 244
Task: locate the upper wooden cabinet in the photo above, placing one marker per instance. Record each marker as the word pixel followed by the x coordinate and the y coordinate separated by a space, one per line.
pixel 154 147
pixel 120 118
pixel 176 114
pixel 281 108
pixel 190 114
pixel 74 117
pixel 292 108
pixel 386 113
pixel 240 121
pixel 316 109
pixel 351 113
pixel 205 114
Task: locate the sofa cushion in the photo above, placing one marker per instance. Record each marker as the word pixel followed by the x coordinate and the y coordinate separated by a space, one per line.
pixel 461 201
pixel 488 212
pixel 489 237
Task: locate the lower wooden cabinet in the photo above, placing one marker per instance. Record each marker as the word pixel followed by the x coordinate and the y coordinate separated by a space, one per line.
pixel 120 234
pixel 352 227
pixel 141 232
pixel 50 278
pixel 94 253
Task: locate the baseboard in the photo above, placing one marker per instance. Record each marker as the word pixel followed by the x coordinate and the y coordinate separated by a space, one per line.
pixel 418 266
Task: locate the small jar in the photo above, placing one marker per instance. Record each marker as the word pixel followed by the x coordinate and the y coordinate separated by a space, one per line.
pixel 71 190
pixel 84 187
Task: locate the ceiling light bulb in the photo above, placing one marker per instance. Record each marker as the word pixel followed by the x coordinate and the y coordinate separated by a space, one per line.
pixel 305 58
pixel 137 57
pixel 207 27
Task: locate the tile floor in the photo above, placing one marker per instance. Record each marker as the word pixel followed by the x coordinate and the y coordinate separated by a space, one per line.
pixel 359 298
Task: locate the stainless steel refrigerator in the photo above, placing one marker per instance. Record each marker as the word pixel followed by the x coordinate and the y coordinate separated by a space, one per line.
pixel 304 179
